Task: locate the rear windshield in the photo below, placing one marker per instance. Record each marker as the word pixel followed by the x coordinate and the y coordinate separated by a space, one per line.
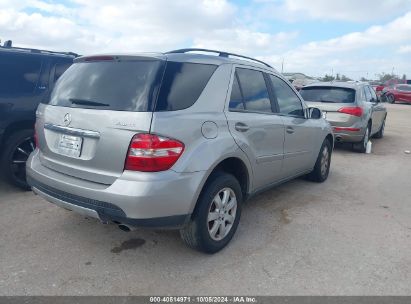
pixel 131 85
pixel 328 94
pixel 113 85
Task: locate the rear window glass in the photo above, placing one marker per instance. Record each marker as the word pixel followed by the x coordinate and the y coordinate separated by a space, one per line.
pixel 182 85
pixel 113 85
pixel 19 74
pixel 328 94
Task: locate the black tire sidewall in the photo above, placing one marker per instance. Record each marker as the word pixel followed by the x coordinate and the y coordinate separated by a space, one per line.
pixel 380 133
pixel 317 170
pixel 361 146
pixel 218 182
pixel 9 148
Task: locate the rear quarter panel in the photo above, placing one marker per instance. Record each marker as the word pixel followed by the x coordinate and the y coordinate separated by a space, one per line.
pixel 203 129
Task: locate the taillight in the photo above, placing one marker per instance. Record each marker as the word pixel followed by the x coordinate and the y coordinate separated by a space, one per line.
pixel 151 153
pixel 356 111
pixel 346 129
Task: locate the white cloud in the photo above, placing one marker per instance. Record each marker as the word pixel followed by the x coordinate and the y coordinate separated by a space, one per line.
pixel 244 41
pixel 96 26
pixel 350 53
pixel 404 49
pixel 347 10
pixel 158 25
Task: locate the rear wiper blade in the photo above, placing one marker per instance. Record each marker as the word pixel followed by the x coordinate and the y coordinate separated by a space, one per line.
pixel 86 102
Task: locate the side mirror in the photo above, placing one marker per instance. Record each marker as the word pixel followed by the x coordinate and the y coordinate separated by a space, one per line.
pixel 315 113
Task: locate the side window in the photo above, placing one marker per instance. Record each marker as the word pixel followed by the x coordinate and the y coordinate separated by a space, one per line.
pixel 254 89
pixel 373 95
pixel 288 101
pixel 367 94
pixel 236 100
pixel 406 88
pixel 61 67
pixel 18 74
pixel 182 85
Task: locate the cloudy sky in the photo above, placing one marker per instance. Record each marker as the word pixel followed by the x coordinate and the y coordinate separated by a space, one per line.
pixel 352 37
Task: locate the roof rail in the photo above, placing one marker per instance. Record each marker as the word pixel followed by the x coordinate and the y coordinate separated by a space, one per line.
pixel 220 53
pixel 8 45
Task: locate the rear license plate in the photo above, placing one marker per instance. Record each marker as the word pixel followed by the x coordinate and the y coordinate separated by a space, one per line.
pixel 70 145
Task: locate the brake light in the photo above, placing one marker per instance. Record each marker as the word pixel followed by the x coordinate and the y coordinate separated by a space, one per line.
pixel 99 58
pixel 355 111
pixel 151 153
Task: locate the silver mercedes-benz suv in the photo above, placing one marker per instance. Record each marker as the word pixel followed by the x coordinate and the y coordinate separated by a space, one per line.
pixel 176 140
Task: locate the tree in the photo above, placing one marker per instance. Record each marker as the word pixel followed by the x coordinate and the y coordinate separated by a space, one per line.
pixel 404 77
pixel 384 77
pixel 337 77
pixel 345 78
pixel 363 79
pixel 328 78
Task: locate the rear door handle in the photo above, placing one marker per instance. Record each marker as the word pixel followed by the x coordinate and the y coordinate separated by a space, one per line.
pixel 289 130
pixel 241 127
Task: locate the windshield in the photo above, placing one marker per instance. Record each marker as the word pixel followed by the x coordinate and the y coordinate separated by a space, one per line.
pixel 112 85
pixel 328 94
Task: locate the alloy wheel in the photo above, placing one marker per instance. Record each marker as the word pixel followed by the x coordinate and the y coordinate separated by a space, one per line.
pixel 325 157
pixel 19 157
pixel 221 214
pixel 366 137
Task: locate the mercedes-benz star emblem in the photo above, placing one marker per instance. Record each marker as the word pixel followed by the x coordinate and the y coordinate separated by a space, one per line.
pixel 67 119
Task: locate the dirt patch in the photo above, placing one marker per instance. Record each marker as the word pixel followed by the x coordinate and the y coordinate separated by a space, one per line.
pixel 127 245
pixel 285 217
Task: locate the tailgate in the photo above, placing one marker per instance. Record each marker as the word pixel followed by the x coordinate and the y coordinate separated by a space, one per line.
pixel 93 146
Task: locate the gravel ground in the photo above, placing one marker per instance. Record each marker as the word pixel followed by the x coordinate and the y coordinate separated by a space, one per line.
pixel 348 236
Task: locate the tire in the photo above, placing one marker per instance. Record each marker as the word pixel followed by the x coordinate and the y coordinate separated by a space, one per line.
pixel 390 98
pixel 17 149
pixel 322 165
pixel 204 232
pixel 361 147
pixel 380 133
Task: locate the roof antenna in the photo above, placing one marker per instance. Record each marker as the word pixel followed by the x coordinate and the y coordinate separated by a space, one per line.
pixel 7 43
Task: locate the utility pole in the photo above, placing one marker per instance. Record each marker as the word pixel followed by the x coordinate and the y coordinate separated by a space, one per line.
pixel 282 66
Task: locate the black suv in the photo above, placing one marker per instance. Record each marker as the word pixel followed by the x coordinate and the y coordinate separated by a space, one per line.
pixel 26 78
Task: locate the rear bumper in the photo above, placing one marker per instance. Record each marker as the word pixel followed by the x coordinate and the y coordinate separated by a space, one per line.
pixel 348 136
pixel 161 199
pixel 343 133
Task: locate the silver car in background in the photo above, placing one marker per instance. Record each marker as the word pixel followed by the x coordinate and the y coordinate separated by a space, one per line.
pixel 352 108
pixel 176 140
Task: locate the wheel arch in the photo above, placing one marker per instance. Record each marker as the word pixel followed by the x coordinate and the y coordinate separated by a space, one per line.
pixel 17 126
pixel 330 138
pixel 233 165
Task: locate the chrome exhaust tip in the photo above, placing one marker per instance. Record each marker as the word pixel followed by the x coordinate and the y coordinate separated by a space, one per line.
pixel 126 228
